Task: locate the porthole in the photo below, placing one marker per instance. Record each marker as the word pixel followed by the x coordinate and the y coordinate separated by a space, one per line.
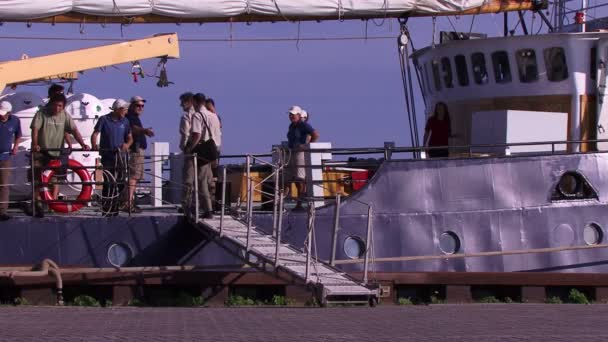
pixel 449 243
pixel 354 247
pixel 119 254
pixel 569 184
pixel 572 185
pixel 593 234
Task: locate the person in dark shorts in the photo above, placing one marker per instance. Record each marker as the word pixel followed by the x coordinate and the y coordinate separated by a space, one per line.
pixel 114 143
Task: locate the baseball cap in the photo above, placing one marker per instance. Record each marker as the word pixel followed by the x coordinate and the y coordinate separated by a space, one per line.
pixel 137 99
pixel 304 114
pixel 295 110
pixel 120 103
pixel 5 107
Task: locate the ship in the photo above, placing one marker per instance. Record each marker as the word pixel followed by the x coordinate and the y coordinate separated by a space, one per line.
pixel 521 190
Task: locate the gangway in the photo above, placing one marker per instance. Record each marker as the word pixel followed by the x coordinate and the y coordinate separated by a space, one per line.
pixel 263 251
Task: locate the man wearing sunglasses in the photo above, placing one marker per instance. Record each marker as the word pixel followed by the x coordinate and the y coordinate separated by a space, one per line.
pixel 137 152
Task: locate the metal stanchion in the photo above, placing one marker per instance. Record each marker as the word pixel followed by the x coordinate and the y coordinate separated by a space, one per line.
pixel 275 202
pixel 279 226
pixel 249 200
pixel 334 236
pixel 223 203
pixel 367 243
pixel 311 223
pixel 196 204
pixel 33 183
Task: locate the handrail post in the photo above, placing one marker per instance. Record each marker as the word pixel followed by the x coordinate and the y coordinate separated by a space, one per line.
pixel 223 202
pixel 196 204
pixel 367 243
pixel 279 226
pixel 249 199
pixel 311 223
pixel 334 236
pixel 275 202
pixel 33 182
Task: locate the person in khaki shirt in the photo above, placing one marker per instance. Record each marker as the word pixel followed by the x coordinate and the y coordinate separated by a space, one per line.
pixel 48 134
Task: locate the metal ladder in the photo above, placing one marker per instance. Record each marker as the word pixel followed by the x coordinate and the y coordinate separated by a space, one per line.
pixel 262 251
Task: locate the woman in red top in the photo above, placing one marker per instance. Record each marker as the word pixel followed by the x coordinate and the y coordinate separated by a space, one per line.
pixel 437 131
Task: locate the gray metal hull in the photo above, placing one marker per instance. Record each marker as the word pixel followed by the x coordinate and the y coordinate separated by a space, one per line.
pixel 491 204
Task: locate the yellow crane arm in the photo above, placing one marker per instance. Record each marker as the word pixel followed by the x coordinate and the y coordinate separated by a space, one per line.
pixel 31 69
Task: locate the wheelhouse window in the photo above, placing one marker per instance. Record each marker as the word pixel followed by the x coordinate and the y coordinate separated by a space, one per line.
pixel 480 71
pixel 527 65
pixel 555 62
pixel 420 69
pixel 436 75
pixel 446 68
pixel 502 70
pixel 461 70
pixel 428 78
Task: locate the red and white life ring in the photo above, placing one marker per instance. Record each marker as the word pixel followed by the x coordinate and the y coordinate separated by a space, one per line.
pixel 85 192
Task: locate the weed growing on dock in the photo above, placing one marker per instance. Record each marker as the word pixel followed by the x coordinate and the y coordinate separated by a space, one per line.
pixel 553 300
pixel 577 297
pixel 490 300
pixel 436 300
pixel 405 301
pixel 312 302
pixel 281 301
pixel 239 301
pixel 85 300
pixel 20 301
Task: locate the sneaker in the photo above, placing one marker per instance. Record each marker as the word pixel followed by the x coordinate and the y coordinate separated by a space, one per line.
pixel 4 217
pixel 298 209
pixel 39 210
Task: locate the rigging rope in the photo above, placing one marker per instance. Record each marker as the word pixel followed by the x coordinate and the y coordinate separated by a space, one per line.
pixel 406 80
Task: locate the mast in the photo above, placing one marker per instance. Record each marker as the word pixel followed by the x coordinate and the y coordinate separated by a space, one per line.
pixel 574 15
pixel 183 11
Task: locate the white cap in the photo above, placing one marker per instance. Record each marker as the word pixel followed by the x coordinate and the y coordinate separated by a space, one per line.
pixel 120 103
pixel 137 99
pixel 295 110
pixel 5 107
pixel 304 114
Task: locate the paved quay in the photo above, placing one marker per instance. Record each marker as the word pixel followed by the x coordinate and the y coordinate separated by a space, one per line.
pixel 471 322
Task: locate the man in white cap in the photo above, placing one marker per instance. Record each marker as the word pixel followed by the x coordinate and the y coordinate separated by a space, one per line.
pixel 137 152
pixel 299 134
pixel 10 135
pixel 116 138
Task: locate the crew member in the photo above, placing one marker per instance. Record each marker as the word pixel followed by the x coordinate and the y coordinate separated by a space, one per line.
pixel 137 152
pixel 49 126
pixel 10 134
pixel 298 135
pixel 114 143
pixel 437 132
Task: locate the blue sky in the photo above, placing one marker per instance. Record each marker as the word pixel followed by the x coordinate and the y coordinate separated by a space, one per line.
pixel 351 88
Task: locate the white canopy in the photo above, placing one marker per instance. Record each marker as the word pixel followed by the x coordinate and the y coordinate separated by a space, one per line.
pixel 23 10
